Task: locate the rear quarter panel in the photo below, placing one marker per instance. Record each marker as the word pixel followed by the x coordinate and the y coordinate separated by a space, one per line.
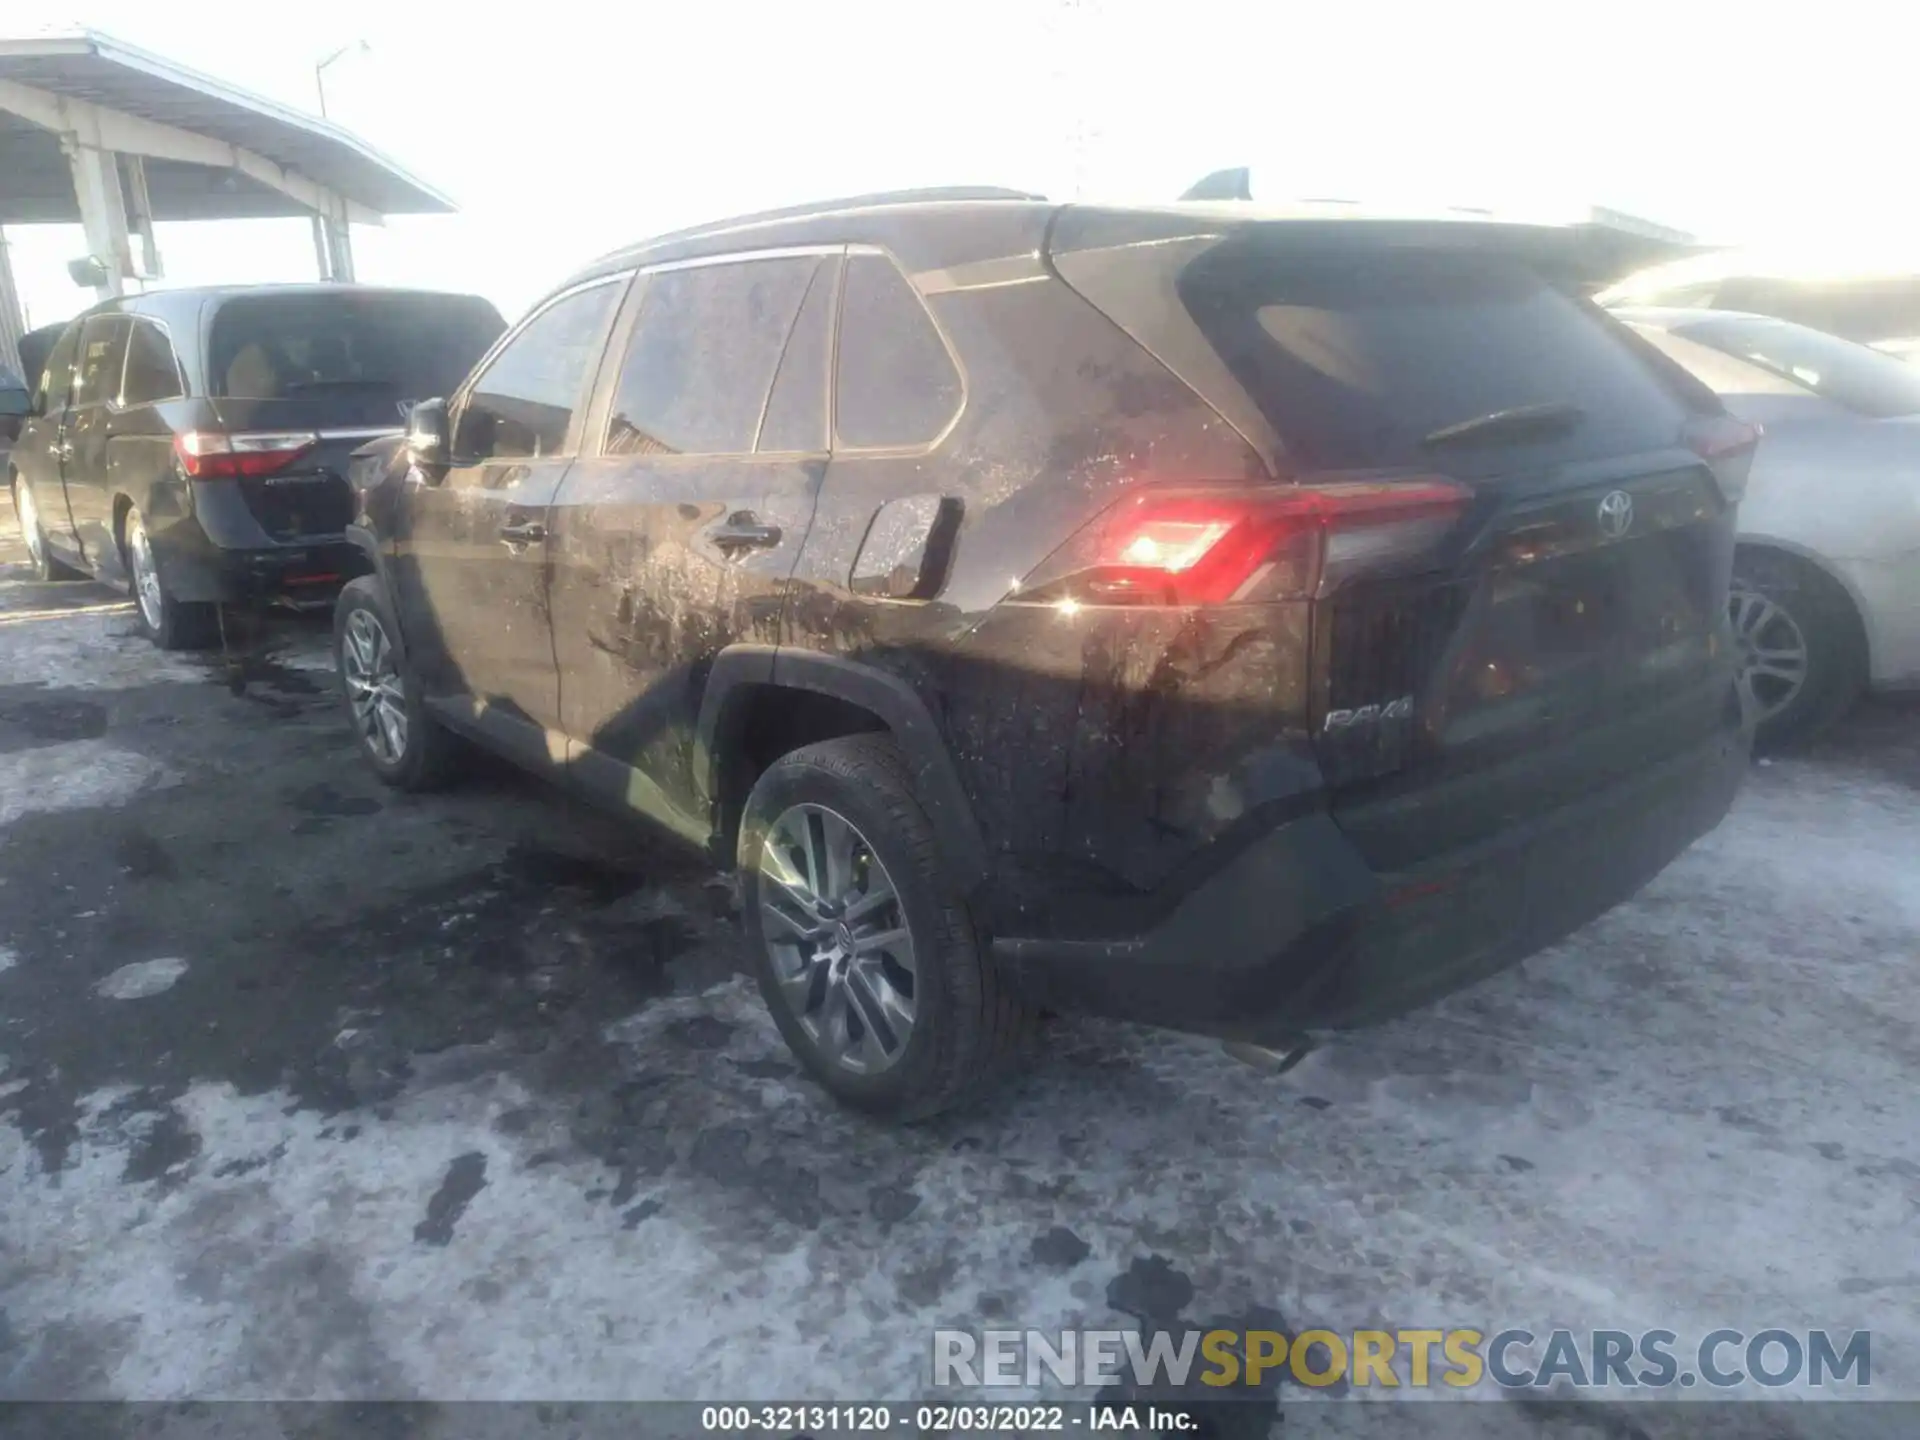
pixel 1097 750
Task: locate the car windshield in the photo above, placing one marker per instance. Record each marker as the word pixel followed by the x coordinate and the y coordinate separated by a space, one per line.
pixel 295 346
pixel 1852 376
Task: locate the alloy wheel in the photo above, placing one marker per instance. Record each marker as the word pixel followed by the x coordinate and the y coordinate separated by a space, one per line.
pixel 374 688
pixel 146 575
pixel 838 938
pixel 1773 654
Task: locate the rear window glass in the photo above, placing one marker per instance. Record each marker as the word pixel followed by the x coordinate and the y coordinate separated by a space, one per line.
pixel 401 348
pixel 1355 357
pixel 1863 310
pixel 1852 376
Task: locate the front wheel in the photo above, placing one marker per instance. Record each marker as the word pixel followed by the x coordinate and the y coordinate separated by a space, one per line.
pixel 1801 650
pixel 406 746
pixel 27 512
pixel 864 950
pixel 171 624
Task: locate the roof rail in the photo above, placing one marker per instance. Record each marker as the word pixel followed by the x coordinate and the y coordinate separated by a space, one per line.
pixel 928 195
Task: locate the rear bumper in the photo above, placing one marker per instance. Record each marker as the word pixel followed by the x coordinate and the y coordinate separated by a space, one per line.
pixel 1888 592
pixel 1297 934
pixel 196 569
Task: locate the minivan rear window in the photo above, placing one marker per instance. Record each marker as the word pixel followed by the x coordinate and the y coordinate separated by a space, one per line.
pixel 1356 357
pixel 370 346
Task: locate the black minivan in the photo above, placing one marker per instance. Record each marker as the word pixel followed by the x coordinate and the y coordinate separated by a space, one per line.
pixel 191 445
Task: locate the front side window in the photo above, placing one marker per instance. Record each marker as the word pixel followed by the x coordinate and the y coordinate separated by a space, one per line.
pixel 701 363
pixel 897 385
pixel 522 407
pixel 103 351
pixel 153 371
pixel 56 376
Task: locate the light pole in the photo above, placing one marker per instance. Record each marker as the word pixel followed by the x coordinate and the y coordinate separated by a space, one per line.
pixel 334 255
pixel 358 47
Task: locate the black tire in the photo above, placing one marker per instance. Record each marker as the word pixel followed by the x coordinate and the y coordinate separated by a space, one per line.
pixel 169 623
pixel 430 755
pixel 969 1028
pixel 1811 603
pixel 39 558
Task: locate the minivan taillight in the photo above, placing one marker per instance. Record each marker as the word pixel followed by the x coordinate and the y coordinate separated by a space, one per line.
pixel 1194 546
pixel 1727 445
pixel 213 455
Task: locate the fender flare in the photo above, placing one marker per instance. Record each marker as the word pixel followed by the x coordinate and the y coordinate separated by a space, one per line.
pixel 898 706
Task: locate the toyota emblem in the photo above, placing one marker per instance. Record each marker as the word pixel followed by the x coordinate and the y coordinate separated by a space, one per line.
pixel 1616 514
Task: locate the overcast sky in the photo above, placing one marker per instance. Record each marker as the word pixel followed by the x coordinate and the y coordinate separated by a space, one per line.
pixel 580 127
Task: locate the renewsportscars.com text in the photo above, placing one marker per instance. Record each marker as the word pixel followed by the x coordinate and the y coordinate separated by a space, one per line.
pixel 1515 1358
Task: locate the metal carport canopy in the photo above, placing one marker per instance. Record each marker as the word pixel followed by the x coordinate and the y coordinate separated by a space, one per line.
pixel 97 131
pixel 212 151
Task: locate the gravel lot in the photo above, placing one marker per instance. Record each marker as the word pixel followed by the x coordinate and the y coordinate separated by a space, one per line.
pixel 308 1090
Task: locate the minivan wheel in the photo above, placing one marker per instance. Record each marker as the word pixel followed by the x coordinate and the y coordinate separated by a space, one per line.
pixel 1800 648
pixel 171 624
pixel 864 950
pixel 45 567
pixel 406 746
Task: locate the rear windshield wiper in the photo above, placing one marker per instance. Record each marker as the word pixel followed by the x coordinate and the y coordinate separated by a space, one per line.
pixel 1522 422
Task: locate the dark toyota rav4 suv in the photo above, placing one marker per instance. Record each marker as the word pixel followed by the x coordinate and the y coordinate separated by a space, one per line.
pixel 1244 624
pixel 191 445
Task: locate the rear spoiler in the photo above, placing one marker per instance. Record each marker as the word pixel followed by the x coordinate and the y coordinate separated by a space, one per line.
pixel 1588 255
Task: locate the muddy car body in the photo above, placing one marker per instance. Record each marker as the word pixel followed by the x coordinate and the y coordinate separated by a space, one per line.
pixel 1248 625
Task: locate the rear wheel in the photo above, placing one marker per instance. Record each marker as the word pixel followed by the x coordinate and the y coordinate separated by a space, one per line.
pixel 864 951
pixel 171 624
pixel 27 512
pixel 1802 654
pixel 406 746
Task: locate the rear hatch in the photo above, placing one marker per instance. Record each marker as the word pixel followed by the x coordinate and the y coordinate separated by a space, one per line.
pixel 1542 608
pixel 301 379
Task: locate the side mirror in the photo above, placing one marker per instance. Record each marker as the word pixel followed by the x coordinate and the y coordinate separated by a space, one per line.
pixel 89 271
pixel 429 442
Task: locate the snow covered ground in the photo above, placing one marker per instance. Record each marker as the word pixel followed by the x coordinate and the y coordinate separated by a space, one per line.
pixel 308 1090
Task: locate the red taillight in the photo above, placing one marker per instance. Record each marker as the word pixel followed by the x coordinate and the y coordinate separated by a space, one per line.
pixel 1217 547
pixel 212 455
pixel 1727 445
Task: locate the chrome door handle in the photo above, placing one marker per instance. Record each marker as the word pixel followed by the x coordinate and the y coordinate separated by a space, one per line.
pixel 526 532
pixel 743 532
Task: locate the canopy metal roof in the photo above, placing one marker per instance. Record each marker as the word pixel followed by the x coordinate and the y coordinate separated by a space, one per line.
pixel 208 144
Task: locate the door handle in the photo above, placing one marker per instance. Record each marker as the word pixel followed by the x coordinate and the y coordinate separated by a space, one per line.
pixel 743 532
pixel 524 532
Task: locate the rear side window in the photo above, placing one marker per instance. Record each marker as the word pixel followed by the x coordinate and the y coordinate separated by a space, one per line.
pixel 701 363
pixel 897 385
pixel 153 371
pixel 1356 357
pixel 397 347
pixel 522 407
pixel 103 351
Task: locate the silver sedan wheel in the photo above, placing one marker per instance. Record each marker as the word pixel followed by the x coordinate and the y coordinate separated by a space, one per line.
pixel 838 939
pixel 29 519
pixel 374 688
pixel 1772 653
pixel 146 575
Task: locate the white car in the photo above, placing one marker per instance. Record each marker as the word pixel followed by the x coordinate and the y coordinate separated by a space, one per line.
pixel 1826 585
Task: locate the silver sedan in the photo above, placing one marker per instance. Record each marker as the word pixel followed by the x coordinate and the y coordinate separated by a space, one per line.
pixel 1826 589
